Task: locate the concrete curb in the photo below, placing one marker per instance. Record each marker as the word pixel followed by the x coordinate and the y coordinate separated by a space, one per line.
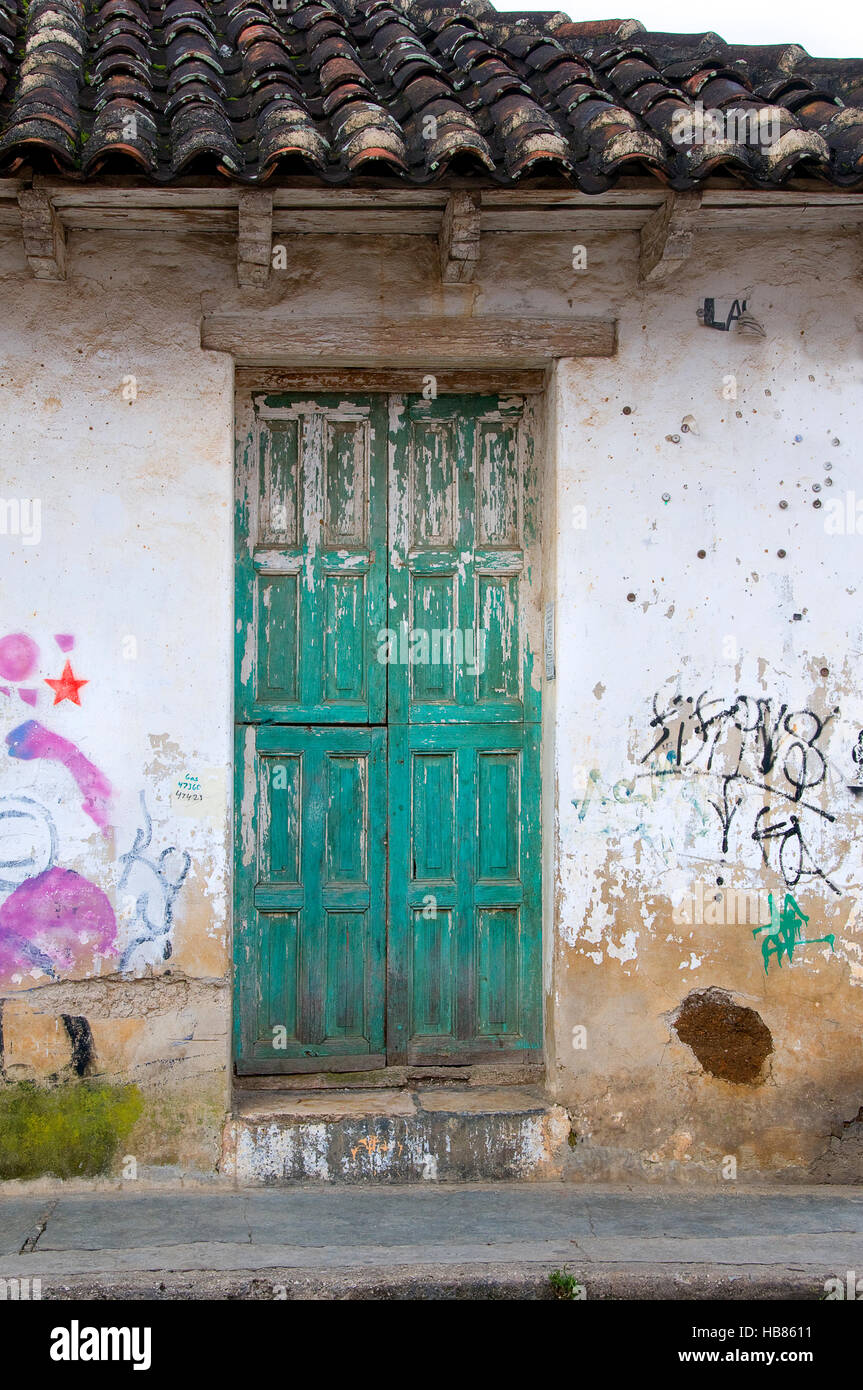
pixel 465 1283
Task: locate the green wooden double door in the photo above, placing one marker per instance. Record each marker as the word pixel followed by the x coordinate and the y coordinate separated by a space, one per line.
pixel 387 795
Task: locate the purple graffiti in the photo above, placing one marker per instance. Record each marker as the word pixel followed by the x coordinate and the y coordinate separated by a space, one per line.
pixel 18 656
pixel 51 920
pixel 27 695
pixel 33 740
pixel 65 641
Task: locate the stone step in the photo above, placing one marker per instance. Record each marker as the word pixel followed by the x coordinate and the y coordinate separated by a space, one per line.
pixel 398 1136
pixel 842 1160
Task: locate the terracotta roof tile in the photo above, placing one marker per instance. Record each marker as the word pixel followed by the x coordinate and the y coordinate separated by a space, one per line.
pixel 413 87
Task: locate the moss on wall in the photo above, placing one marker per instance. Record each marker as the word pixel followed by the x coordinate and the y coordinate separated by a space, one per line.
pixel 66 1131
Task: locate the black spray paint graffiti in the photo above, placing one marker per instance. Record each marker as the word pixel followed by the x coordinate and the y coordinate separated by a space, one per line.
pixel 857 756
pixel 81 1040
pixel 712 315
pixel 154 906
pixel 750 745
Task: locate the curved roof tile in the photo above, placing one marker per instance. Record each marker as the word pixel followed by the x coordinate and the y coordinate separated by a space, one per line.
pixel 413 87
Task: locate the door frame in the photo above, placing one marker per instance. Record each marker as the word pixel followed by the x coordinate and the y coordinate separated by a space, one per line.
pixel 539 384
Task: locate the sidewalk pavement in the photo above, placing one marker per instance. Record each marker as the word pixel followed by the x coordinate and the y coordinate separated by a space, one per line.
pixel 459 1241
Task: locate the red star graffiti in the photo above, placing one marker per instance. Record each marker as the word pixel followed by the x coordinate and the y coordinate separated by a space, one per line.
pixel 67 687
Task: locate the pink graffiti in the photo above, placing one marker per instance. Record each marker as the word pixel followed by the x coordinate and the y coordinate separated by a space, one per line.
pixel 18 656
pixel 27 694
pixel 53 920
pixel 33 740
pixel 65 641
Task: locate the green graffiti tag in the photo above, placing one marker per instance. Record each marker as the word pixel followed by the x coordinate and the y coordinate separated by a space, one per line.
pixel 782 932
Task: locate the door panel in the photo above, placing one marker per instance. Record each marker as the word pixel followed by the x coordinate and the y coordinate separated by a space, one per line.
pixel 464 561
pixel 465 940
pixel 311 561
pixel 310 899
pixel 464 943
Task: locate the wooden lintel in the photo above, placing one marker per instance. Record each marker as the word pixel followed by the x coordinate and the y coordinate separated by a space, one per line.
pixel 427 342
pixel 459 238
pixel 666 237
pixel 274 380
pixel 44 236
pixel 254 237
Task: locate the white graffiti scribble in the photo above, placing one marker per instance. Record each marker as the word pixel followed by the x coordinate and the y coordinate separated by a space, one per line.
pixel 154 904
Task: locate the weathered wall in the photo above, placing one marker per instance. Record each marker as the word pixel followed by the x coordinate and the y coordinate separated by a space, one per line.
pixel 709 718
pixel 121 429
pixel 131 582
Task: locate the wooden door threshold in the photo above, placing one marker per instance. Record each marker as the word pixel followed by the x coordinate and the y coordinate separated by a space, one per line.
pixel 480 1074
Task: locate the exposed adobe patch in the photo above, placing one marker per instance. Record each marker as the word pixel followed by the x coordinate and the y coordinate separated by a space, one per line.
pixel 730 1041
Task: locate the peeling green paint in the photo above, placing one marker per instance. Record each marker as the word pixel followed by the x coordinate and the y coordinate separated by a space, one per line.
pixel 346 532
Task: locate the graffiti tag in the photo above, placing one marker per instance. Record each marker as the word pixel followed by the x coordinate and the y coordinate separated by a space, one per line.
pixel 750 745
pixel 154 905
pixel 782 933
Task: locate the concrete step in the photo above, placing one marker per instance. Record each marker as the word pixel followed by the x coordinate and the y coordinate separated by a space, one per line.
pixel 395 1136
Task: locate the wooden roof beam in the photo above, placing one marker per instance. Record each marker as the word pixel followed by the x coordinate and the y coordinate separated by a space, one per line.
pixel 254 237
pixel 44 235
pixel 459 238
pixel 666 237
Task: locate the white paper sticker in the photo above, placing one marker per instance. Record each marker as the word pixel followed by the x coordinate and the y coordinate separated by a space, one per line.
pixel 548 634
pixel 200 793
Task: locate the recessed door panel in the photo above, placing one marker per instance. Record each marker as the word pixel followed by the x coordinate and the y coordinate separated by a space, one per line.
pixel 311 561
pixel 465 928
pixel 464 561
pixel 310 900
